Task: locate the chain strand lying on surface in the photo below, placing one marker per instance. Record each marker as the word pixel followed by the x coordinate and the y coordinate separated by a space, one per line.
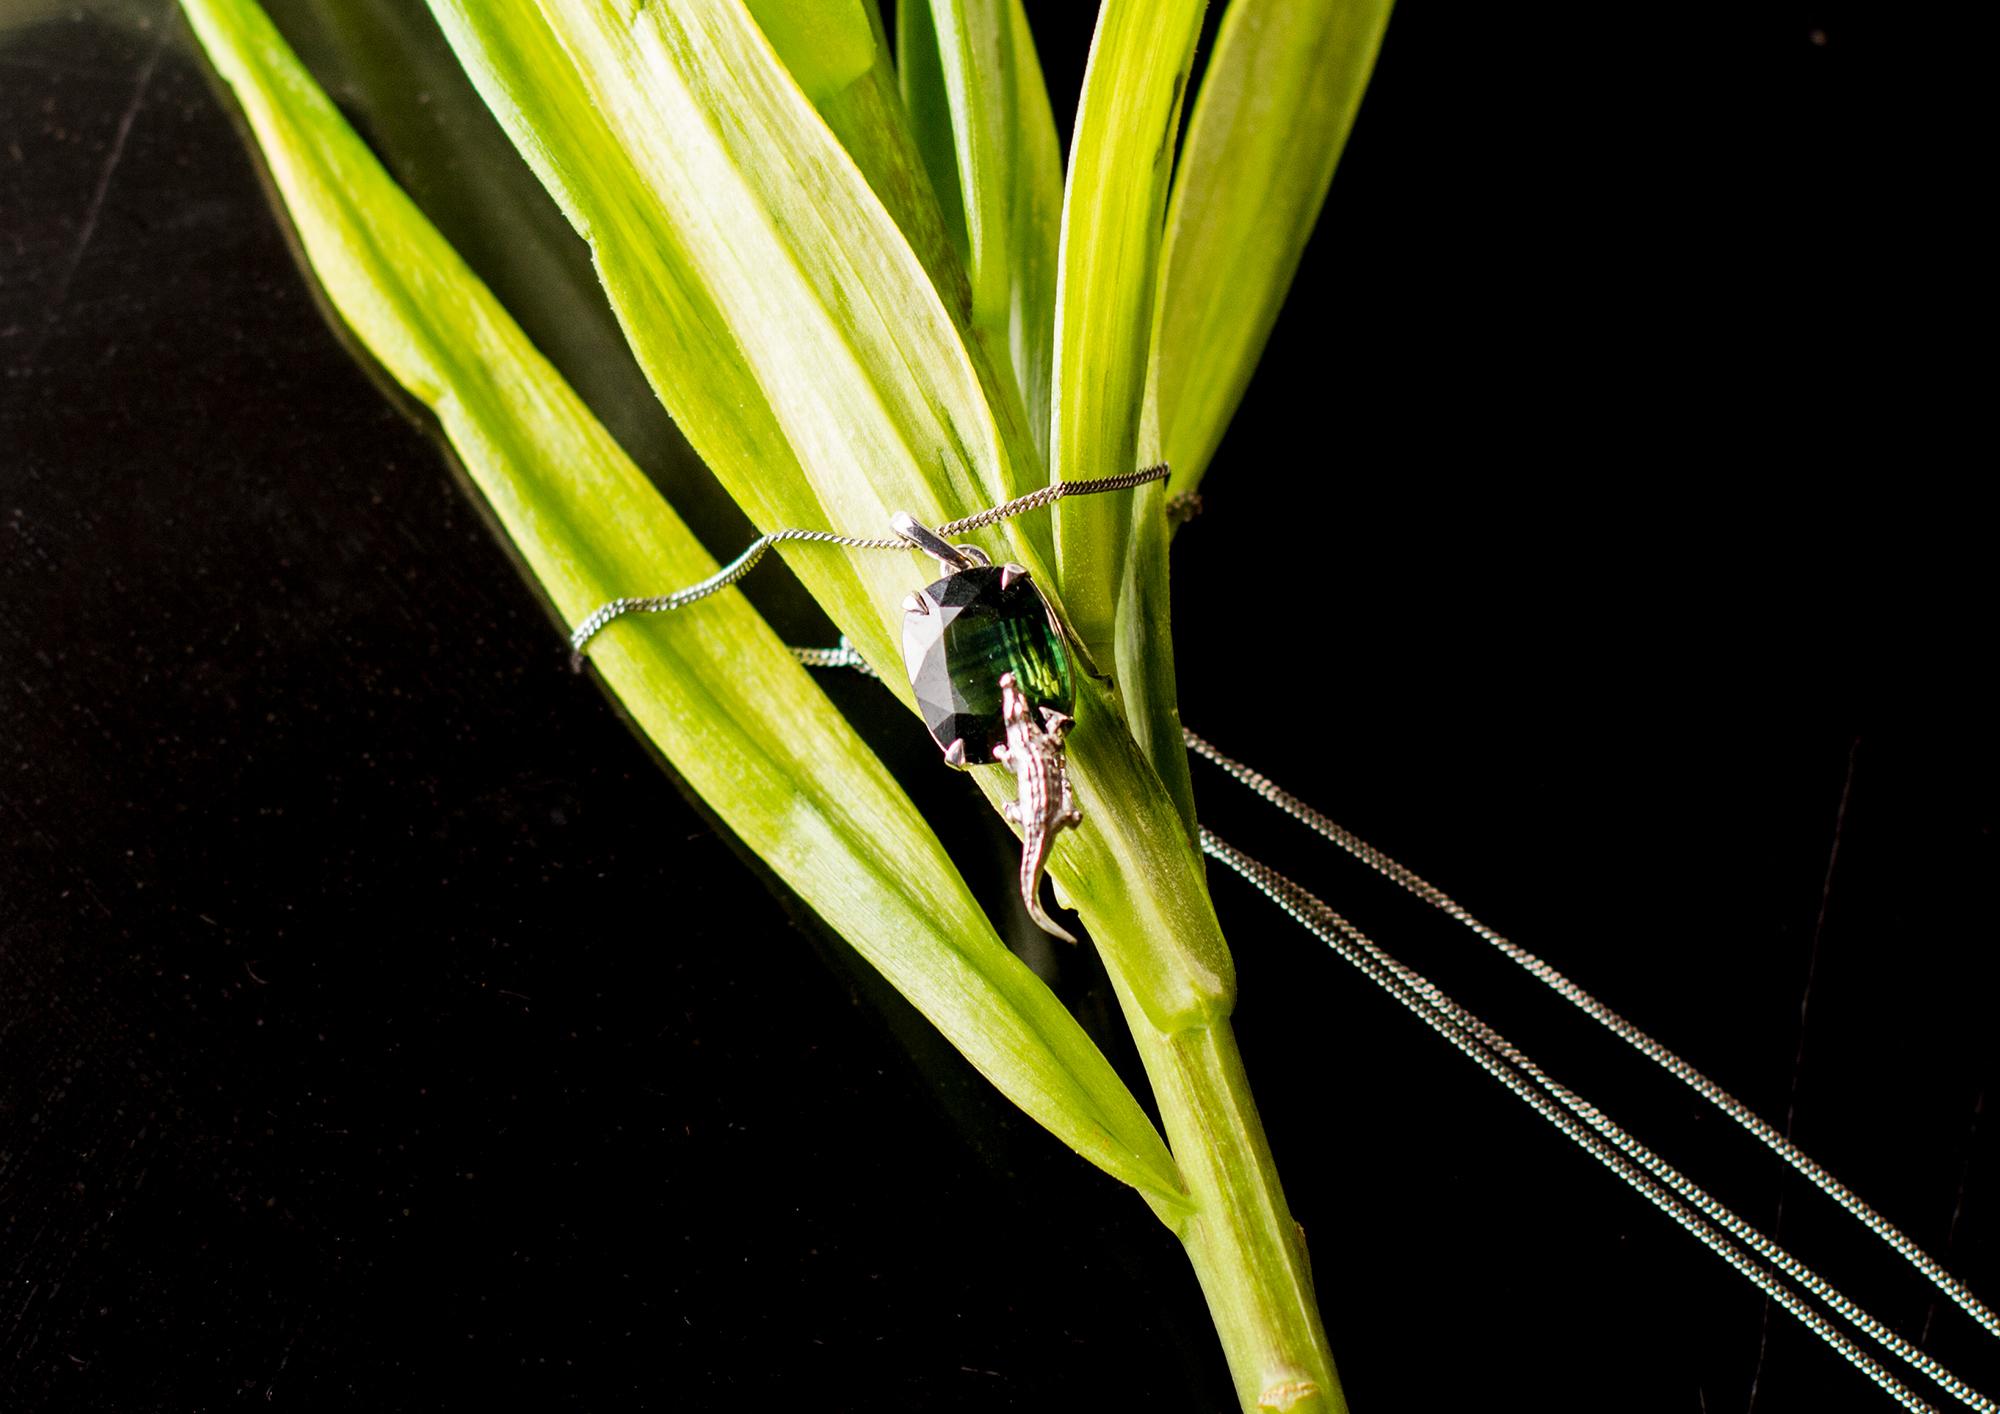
pixel 1653 1050
pixel 1034 500
pixel 1500 1059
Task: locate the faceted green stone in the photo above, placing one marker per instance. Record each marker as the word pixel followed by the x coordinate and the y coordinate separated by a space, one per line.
pixel 974 630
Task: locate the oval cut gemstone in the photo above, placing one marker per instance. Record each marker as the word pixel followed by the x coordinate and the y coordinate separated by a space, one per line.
pixel 973 630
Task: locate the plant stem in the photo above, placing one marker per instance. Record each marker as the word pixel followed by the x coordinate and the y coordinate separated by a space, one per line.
pixel 1139 884
pixel 1248 1252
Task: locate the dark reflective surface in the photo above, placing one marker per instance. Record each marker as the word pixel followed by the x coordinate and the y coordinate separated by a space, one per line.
pixel 1615 593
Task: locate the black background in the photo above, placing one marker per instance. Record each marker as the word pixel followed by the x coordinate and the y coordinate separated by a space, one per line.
pixel 1599 535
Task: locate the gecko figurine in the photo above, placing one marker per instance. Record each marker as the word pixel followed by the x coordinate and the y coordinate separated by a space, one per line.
pixel 1043 805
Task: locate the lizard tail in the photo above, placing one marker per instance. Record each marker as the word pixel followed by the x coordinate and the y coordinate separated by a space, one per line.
pixel 1030 889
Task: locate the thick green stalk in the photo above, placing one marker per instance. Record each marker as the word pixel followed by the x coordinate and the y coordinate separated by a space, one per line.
pixel 1247 1250
pixel 1136 879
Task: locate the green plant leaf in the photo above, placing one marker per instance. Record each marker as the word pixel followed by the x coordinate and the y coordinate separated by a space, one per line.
pixel 871 121
pixel 990 138
pixel 713 687
pixel 920 72
pixel 866 115
pixel 774 303
pixel 388 60
pixel 1120 159
pixel 1146 651
pixel 827 44
pixel 1276 106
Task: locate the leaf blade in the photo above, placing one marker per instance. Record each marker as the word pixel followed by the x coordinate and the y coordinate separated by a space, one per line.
pixel 1120 161
pixel 1037 235
pixel 1273 116
pixel 920 76
pixel 971 66
pixel 827 44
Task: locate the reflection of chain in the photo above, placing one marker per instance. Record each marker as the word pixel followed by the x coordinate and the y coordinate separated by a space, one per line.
pixel 747 561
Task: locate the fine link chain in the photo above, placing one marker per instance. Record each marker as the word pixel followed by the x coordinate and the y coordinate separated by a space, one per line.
pixel 1500 1059
pixel 845 656
pixel 1653 1050
pixel 1034 500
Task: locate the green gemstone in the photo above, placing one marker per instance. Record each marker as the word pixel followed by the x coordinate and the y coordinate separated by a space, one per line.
pixel 971 630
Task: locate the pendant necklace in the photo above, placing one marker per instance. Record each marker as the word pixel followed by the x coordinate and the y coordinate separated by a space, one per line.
pixel 987 658
pixel 991 674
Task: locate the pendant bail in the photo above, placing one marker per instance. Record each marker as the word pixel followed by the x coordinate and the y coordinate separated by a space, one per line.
pixel 952 557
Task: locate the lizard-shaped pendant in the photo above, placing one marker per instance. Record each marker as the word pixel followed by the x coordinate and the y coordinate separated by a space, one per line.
pixel 1043 805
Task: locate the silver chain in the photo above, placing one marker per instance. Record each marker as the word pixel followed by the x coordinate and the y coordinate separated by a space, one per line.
pixel 845 656
pixel 1583 1001
pixel 1035 500
pixel 1494 1054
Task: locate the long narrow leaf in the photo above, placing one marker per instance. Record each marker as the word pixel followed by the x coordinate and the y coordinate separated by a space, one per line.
pixel 920 72
pixel 1272 118
pixel 827 44
pixel 870 120
pixel 970 66
pixel 1120 159
pixel 864 110
pixel 1036 215
pixel 713 687
pixel 1146 654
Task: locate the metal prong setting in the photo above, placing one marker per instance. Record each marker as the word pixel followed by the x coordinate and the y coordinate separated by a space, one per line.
pixel 954 755
pixel 916 604
pixel 1010 573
